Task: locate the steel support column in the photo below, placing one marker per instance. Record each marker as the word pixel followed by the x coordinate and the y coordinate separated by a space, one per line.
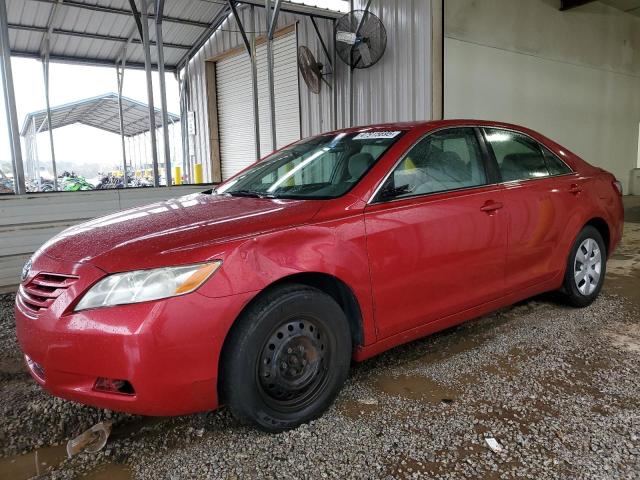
pixel 182 86
pixel 45 45
pixel 271 21
pixel 10 103
pixel 36 158
pixel 45 73
pixel 152 110
pixel 254 83
pixel 331 59
pixel 163 92
pixel 334 80
pixel 350 71
pixel 120 76
pixel 250 46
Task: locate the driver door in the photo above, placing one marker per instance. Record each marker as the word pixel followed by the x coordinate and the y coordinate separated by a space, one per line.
pixel 436 234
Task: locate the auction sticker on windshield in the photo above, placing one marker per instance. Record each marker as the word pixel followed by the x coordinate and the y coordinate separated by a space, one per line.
pixel 374 135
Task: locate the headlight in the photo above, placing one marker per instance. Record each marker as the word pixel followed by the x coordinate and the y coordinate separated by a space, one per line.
pixel 144 285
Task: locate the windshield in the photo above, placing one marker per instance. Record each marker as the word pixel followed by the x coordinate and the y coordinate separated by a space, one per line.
pixel 321 167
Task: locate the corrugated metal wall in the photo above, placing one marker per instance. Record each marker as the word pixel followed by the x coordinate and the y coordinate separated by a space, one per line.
pixel 27 221
pixel 398 88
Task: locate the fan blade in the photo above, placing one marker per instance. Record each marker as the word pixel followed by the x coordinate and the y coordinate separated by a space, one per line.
pixel 365 54
pixel 346 37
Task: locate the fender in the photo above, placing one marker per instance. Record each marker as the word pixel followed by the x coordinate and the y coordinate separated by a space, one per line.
pixel 334 247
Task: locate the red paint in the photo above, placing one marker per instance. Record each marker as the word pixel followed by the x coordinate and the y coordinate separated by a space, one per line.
pixel 415 266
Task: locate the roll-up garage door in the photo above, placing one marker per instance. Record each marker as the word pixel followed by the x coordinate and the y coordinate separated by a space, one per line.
pixel 235 104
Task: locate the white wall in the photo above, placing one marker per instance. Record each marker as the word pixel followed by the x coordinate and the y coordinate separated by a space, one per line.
pixel 574 76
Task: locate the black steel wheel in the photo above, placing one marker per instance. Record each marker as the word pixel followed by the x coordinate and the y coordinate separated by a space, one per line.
pixel 286 358
pixel 292 369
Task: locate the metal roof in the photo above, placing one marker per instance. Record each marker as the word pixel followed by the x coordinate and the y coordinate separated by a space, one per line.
pixel 97 31
pixel 99 112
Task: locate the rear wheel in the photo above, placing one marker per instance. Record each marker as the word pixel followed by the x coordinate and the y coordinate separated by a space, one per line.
pixel 286 358
pixel 586 268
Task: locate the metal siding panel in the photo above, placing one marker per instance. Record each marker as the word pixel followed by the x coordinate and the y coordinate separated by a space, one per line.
pixel 395 89
pixel 28 221
pixel 286 93
pixel 235 105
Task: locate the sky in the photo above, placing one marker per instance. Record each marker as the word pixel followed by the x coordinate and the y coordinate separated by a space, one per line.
pixel 77 144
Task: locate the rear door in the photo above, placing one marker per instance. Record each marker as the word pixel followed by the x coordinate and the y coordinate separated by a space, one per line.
pixel 436 233
pixel 540 192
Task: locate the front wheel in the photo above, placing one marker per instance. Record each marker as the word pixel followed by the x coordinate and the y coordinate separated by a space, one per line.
pixel 286 358
pixel 586 268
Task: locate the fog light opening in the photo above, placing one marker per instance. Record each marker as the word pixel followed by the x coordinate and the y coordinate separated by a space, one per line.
pixel 112 385
pixel 35 367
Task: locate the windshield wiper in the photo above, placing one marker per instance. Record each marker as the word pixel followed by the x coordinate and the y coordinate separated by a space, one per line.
pixel 251 193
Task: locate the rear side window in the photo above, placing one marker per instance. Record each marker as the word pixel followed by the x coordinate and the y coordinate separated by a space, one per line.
pixel 445 160
pixel 554 164
pixel 518 156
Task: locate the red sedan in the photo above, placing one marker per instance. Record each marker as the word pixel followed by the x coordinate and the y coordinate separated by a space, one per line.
pixel 260 293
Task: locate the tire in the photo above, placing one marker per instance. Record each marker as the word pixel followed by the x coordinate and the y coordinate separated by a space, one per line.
pixel 588 254
pixel 286 358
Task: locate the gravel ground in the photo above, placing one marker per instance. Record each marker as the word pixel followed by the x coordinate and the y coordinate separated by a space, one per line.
pixel 557 387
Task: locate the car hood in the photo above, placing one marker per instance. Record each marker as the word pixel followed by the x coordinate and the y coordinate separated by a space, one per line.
pixel 176 231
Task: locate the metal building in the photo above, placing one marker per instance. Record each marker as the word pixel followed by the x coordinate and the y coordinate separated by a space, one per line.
pixel 398 88
pixel 227 121
pixel 202 43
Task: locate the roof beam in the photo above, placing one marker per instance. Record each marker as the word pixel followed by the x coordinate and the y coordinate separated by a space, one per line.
pixel 44 44
pixel 301 9
pixel 122 56
pixel 298 8
pixel 97 62
pixel 234 10
pixel 136 18
pixel 221 16
pixel 92 36
pixel 122 11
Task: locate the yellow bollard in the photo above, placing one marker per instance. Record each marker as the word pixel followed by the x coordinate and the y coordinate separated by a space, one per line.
pixel 177 176
pixel 197 173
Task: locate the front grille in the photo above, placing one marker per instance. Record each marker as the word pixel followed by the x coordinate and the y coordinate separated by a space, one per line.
pixel 39 293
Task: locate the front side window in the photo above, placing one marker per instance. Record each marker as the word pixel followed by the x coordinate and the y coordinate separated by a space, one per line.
pixel 518 156
pixel 446 160
pixel 326 166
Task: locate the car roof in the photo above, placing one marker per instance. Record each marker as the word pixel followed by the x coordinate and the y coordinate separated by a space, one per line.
pixel 427 125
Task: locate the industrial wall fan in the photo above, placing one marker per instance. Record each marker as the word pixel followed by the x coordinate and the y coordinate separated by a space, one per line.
pixel 310 69
pixel 361 39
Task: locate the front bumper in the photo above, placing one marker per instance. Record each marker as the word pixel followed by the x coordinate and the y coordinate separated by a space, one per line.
pixel 168 349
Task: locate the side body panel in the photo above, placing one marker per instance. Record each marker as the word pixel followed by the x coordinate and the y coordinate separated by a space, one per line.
pixel 542 216
pixel 433 256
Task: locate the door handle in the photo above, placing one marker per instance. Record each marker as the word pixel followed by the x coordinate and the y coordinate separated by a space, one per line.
pixel 491 206
pixel 575 189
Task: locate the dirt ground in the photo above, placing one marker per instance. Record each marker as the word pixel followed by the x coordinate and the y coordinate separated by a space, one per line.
pixel 558 389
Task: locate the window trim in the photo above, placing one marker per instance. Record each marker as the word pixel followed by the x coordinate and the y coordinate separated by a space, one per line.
pixel 494 160
pixel 484 160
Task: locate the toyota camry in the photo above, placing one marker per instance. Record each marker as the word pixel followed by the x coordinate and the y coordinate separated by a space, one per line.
pixel 260 293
